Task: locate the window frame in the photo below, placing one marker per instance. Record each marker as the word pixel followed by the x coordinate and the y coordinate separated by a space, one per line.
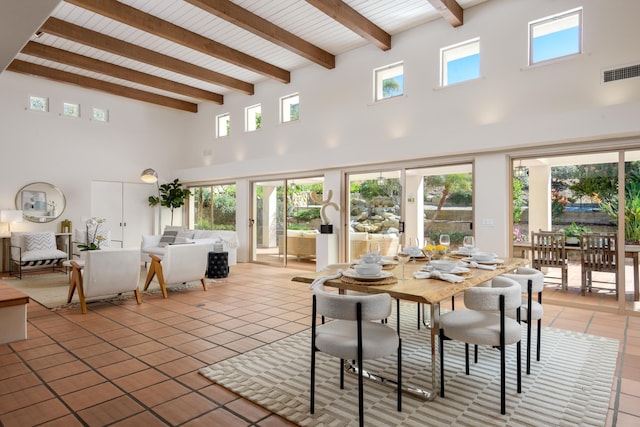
pixel 381 74
pixel 251 124
pixel 556 19
pixel 227 127
pixel 470 44
pixel 282 108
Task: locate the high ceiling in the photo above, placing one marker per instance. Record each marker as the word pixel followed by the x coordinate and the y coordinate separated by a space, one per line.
pixel 178 53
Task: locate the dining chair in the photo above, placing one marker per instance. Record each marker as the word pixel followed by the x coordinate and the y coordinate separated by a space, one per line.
pixel 484 322
pixel 105 272
pixel 531 283
pixel 598 253
pixel 548 250
pixel 180 264
pixel 354 334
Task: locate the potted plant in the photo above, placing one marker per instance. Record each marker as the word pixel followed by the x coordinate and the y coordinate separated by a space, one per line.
pixel 572 233
pixel 170 195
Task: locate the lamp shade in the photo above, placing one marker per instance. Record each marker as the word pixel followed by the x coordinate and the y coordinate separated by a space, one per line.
pixel 11 215
pixel 149 176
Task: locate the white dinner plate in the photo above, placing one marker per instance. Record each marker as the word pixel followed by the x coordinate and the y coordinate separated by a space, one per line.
pixel 354 275
pixel 493 261
pixel 381 262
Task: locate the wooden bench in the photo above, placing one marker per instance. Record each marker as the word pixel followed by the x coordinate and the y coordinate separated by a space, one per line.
pixel 13 314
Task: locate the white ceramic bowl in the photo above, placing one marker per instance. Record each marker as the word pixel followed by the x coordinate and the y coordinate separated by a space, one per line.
pixel 443 265
pixel 368 269
pixel 483 256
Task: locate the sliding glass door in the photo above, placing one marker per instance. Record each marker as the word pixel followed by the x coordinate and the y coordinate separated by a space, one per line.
pixel 286 221
pixel 577 194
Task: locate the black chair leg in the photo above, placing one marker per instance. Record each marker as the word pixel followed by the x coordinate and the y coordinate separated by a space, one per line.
pixel 342 374
pixel 466 358
pixel 538 340
pixel 399 375
pixel 441 342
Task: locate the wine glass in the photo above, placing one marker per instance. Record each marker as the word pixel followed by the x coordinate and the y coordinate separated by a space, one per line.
pixel 403 258
pixel 469 243
pixel 413 248
pixel 445 240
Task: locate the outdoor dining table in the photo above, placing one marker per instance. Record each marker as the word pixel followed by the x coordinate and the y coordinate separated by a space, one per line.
pixel 422 291
pixel 630 251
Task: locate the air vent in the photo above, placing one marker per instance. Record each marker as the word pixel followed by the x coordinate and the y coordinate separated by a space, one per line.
pixel 621 73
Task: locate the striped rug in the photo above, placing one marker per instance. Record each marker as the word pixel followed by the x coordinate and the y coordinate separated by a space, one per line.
pixel 570 386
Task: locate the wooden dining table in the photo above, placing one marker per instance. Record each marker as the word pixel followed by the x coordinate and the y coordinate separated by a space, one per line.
pixel 630 251
pixel 422 291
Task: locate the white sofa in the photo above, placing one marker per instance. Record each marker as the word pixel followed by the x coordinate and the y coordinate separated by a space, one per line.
pixel 151 243
pixel 33 250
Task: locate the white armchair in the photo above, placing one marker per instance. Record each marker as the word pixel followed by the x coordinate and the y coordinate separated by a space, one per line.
pixel 106 272
pixel 31 250
pixel 180 264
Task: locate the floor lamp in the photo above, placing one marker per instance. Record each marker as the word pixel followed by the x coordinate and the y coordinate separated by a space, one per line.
pixel 150 176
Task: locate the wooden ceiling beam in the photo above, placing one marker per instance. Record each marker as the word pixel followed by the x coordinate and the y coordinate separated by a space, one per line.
pixel 350 18
pixel 65 57
pixel 24 67
pixel 242 18
pixel 450 10
pixel 100 41
pixel 143 21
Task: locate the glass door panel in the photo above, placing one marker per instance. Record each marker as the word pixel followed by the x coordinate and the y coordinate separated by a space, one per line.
pixel 375 204
pixel 446 196
pixel 632 229
pixel 269 206
pixel 286 208
pixel 574 194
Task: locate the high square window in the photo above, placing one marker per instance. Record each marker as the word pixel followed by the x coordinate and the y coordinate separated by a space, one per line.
pixel 38 103
pixel 253 117
pixel 70 109
pixel 460 62
pixel 223 125
pixel 389 81
pixel 289 108
pixel 100 114
pixel 555 36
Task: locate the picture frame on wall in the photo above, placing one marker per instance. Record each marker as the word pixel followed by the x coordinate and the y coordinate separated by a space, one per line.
pixel 34 200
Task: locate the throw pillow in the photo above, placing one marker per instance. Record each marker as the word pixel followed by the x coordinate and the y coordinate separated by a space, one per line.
pixel 40 241
pixel 169 236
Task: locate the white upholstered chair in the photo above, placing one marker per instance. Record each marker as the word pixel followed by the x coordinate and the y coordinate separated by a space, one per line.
pixel 484 322
pixel 180 264
pixel 353 334
pixel 34 250
pixel 531 284
pixel 106 272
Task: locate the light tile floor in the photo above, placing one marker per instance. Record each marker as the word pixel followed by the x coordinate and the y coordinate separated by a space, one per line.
pixel 128 365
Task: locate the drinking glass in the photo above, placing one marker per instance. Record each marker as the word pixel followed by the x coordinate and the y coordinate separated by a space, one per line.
pixel 403 258
pixel 445 240
pixel 469 243
pixel 413 248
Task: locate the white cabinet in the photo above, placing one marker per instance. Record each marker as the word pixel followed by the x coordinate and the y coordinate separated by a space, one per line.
pixel 125 207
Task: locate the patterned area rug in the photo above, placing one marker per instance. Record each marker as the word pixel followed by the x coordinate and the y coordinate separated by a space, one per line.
pixel 51 289
pixel 571 385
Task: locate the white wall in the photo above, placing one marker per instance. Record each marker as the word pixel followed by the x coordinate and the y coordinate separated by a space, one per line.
pixel 512 106
pixel 70 153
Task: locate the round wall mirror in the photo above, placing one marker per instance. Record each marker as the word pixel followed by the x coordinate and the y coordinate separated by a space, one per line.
pixel 40 202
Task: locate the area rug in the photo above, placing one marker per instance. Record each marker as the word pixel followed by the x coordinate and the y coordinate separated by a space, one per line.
pixel 51 289
pixel 569 386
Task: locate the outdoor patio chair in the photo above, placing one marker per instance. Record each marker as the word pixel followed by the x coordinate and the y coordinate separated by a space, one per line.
pixel 598 253
pixel 548 250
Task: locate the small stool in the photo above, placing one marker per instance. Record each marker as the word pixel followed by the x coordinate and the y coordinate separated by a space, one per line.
pixel 218 265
